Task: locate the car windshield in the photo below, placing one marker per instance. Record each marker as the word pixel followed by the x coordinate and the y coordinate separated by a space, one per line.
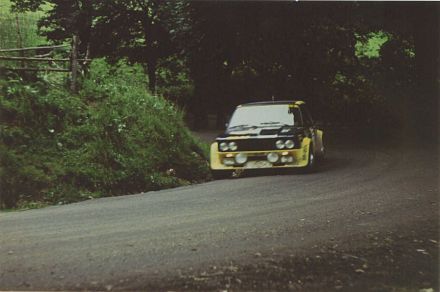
pixel 262 115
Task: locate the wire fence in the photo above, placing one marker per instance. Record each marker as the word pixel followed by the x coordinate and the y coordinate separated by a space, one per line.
pixel 22 49
pixel 19 31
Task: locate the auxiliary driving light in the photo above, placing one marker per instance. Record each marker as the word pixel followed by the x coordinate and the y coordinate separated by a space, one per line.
pixel 241 158
pixel 273 157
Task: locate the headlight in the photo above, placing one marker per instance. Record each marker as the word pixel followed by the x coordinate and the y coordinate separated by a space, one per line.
pixel 228 161
pixel 241 158
pixel 273 157
pixel 279 144
pixel 232 146
pixel 289 144
pixel 224 146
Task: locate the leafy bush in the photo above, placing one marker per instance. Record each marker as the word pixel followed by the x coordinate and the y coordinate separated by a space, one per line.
pixel 112 138
pixel 173 80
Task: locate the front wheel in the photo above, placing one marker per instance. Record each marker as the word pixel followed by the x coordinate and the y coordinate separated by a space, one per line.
pixel 321 156
pixel 311 165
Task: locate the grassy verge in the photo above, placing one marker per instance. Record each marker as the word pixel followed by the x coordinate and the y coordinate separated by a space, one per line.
pixel 112 138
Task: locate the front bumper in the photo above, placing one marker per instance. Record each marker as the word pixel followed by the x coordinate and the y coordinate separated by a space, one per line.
pixel 258 159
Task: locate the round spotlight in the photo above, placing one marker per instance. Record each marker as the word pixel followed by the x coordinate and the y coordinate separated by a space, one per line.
pixel 232 146
pixel 273 157
pixel 289 144
pixel 224 146
pixel 241 158
pixel 284 159
pixel 279 144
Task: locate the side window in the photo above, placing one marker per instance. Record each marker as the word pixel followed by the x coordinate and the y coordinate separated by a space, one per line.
pixel 308 121
pixel 297 117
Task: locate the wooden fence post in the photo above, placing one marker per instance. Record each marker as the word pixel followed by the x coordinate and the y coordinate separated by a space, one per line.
pixel 74 63
pixel 19 39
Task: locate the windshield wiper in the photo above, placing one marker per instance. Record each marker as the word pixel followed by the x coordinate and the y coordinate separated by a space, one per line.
pixel 274 123
pixel 270 123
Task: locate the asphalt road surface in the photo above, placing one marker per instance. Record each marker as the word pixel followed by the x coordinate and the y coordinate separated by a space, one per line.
pixel 367 220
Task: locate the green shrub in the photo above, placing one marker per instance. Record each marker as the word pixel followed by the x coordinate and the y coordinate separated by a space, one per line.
pixel 113 138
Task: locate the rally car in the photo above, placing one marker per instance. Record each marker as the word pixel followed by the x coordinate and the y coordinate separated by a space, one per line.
pixel 274 134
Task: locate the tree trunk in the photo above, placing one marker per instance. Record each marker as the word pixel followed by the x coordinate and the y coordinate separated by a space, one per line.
pixel 74 63
pixel 19 39
pixel 151 69
pixel 198 106
pixel 426 39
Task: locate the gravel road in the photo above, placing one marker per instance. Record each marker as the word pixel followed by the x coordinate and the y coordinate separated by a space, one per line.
pixel 367 220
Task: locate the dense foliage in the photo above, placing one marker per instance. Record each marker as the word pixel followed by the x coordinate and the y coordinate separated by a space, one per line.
pixel 112 138
pixel 354 63
pixel 327 53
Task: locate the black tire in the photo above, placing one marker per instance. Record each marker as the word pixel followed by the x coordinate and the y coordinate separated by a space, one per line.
pixel 321 156
pixel 311 164
pixel 221 174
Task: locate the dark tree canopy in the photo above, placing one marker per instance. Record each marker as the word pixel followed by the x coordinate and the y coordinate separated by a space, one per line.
pixel 242 51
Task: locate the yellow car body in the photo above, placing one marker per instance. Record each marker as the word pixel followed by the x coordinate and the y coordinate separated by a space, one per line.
pixel 258 146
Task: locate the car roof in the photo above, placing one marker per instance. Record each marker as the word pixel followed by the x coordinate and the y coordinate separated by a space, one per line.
pixel 296 102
